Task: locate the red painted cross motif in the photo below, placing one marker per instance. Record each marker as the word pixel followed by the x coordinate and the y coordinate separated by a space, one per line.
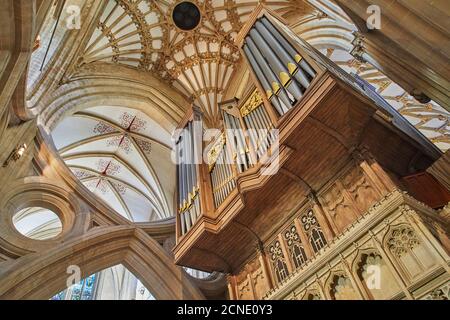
pixel 99 185
pixel 108 167
pixel 132 123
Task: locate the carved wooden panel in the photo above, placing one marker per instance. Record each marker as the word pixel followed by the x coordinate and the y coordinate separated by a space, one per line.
pixel 340 209
pixel 259 283
pixel 360 189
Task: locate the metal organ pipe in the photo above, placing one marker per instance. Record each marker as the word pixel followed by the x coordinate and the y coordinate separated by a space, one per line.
pixel 190 193
pixel 257 126
pixel 249 122
pixel 293 68
pixel 215 184
pixel 197 152
pixel 241 139
pixel 264 118
pixel 288 47
pixel 267 71
pixel 264 143
pixel 266 48
pixel 185 181
pixel 219 179
pixel 181 185
pixel 224 178
pixel 232 138
pixel 263 80
pixel 180 199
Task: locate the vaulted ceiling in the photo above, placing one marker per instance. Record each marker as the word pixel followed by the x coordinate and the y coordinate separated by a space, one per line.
pixel 37 223
pixel 122 156
pixel 199 62
pixel 430 119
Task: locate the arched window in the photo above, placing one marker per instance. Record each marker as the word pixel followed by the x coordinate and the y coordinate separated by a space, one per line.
pixel 114 283
pixel 298 255
pixel 313 231
pixel 317 239
pixel 278 261
pixel 295 247
pixel 83 290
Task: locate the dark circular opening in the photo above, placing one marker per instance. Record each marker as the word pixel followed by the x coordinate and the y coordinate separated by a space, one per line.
pixel 186 15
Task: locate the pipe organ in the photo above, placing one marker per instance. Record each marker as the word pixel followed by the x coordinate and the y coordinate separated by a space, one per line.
pixel 258 124
pixel 188 156
pixel 221 171
pixel 281 71
pixel 335 175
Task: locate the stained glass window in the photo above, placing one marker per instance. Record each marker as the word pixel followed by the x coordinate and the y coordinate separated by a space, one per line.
pixel 83 290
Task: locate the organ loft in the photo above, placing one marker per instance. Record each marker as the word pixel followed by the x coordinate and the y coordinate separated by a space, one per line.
pixel 235 150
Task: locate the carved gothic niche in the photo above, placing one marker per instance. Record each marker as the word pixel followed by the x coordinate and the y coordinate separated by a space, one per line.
pixel 410 254
pixel 341 288
pixel 375 276
pixel 313 231
pixel 312 295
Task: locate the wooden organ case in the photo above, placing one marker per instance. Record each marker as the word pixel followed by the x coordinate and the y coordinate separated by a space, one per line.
pixel 301 158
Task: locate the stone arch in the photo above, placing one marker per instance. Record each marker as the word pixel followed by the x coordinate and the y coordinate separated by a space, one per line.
pixel 106 84
pixel 40 276
pixel 46 193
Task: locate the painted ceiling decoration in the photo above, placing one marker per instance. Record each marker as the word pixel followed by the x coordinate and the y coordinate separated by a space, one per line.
pixel 334 34
pixel 197 58
pixel 431 119
pixel 122 156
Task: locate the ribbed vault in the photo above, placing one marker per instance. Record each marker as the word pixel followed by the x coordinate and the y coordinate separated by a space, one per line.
pixel 199 62
pixel 335 37
pixel 122 156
